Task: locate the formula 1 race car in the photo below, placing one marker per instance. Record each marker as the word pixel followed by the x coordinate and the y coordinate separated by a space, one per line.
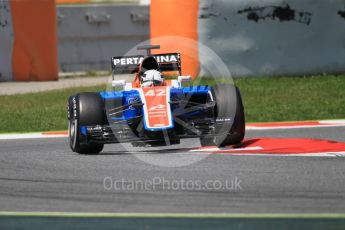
pixel 154 111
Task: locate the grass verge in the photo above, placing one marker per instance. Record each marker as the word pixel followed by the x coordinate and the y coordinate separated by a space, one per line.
pixel 32 112
pixel 293 98
pixel 265 99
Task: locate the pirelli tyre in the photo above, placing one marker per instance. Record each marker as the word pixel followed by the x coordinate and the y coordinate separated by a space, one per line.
pixel 228 107
pixel 84 109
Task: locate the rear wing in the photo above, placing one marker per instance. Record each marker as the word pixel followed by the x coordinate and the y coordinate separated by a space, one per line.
pixel 168 62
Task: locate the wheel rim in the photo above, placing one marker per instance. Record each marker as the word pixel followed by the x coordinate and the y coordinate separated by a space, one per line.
pixel 72 129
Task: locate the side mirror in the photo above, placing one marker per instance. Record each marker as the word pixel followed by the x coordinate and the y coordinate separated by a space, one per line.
pixel 184 79
pixel 116 83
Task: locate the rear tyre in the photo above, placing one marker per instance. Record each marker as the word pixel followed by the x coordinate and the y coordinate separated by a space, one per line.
pixel 84 109
pixel 228 106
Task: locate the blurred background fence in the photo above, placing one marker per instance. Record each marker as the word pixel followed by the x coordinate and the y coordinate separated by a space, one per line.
pixel 90 35
pixel 253 38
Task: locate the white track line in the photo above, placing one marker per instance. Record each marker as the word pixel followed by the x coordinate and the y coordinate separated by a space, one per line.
pixel 16 136
pixel 214 149
pixel 332 122
pixel 250 127
pixel 324 154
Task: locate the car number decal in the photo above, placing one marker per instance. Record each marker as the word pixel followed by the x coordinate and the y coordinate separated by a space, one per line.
pixel 157 111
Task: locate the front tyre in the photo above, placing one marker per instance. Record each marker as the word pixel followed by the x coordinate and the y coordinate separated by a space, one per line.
pixel 84 109
pixel 228 106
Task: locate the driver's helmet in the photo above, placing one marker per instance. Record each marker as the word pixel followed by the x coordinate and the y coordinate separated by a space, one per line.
pixel 151 78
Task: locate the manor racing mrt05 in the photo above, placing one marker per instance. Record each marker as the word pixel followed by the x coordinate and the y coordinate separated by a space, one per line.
pixel 154 111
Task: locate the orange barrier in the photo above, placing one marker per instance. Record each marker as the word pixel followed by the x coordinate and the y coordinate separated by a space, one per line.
pixel 177 18
pixel 34 56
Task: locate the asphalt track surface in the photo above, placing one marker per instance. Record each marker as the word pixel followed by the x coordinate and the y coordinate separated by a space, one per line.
pixel 44 175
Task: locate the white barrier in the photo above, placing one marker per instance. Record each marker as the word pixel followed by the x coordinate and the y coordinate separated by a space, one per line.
pixel 6 41
pixel 275 37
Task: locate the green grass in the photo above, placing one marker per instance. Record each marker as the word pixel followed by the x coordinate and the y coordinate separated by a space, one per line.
pixel 293 98
pixel 37 111
pixel 265 99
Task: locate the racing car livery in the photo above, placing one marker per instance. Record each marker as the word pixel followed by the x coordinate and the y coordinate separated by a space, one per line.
pixel 154 111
